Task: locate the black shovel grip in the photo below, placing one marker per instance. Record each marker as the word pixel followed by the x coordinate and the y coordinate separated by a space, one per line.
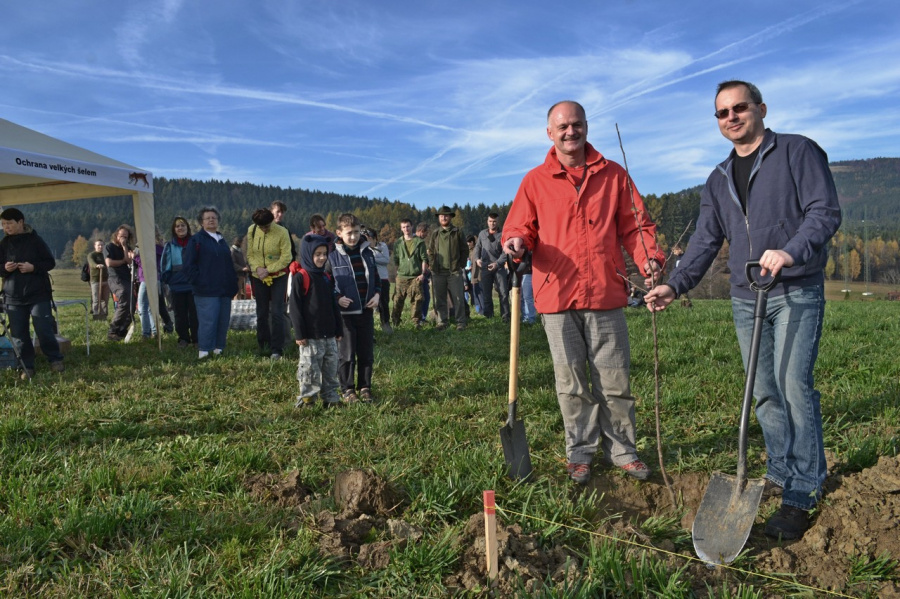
pixel 755 284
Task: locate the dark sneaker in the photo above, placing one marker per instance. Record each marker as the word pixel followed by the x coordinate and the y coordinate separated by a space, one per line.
pixel 57 366
pixel 637 469
pixel 365 396
pixel 771 489
pixel 580 473
pixel 386 328
pixel 114 337
pixel 350 396
pixel 168 329
pixel 788 523
pixel 182 343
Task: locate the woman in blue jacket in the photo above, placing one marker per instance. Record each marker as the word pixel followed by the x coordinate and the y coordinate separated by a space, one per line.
pixel 207 265
pixel 172 274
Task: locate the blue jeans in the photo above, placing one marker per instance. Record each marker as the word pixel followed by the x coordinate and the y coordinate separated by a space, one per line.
pixel 528 312
pixel 41 316
pixel 148 323
pixel 787 404
pixel 213 318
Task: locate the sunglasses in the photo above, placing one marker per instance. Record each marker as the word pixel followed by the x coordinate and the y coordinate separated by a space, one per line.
pixel 737 108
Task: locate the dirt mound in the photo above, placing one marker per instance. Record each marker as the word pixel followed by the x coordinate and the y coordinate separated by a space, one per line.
pixel 521 560
pixel 284 490
pixel 858 521
pixel 361 492
pixel 856 524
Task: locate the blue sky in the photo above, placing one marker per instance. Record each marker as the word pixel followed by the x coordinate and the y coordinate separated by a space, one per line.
pixel 434 103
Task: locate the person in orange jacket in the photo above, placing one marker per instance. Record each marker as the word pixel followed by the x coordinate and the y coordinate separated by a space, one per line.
pixel 574 212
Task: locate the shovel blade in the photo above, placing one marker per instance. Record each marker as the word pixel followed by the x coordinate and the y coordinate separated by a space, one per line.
pixel 725 517
pixel 515 450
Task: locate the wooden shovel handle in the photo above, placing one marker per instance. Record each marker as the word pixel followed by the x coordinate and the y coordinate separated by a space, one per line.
pixel 514 323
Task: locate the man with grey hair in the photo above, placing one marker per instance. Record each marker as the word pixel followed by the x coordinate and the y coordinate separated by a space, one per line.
pixel 574 212
pixel 775 202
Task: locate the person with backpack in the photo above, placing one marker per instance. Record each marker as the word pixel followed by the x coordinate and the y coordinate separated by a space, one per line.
pixel 318 326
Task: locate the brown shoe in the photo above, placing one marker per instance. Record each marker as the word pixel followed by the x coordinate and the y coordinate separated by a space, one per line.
pixel 365 395
pixel 350 396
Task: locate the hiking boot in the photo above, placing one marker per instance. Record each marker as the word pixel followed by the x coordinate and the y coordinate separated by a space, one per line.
pixel 58 366
pixel 27 374
pixel 365 396
pixel 788 523
pixel 771 489
pixel 580 473
pixel 637 469
pixel 350 396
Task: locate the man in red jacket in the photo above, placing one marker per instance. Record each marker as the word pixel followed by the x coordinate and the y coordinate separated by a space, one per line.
pixel 575 212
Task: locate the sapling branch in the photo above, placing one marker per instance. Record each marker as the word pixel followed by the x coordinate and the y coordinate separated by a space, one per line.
pixel 653 274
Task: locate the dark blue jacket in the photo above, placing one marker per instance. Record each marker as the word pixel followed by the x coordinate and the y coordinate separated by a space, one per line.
pixel 22 289
pixel 345 282
pixel 208 266
pixel 792 206
pixel 172 268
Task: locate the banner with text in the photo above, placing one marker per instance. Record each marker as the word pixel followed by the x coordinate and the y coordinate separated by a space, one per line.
pixel 20 162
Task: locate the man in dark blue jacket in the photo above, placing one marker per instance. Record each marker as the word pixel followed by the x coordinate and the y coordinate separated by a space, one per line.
pixel 25 263
pixel 774 200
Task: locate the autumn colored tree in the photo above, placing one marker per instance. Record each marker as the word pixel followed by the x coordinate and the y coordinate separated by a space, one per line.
pixel 80 249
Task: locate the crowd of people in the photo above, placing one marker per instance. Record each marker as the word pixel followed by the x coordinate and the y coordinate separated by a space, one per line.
pixel 773 199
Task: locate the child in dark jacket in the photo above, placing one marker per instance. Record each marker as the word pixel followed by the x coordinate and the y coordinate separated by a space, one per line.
pixel 358 287
pixel 316 318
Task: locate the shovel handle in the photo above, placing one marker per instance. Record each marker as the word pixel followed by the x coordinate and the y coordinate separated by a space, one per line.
pixel 514 324
pixel 755 284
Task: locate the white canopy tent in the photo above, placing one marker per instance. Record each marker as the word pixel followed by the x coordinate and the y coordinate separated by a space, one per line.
pixel 38 168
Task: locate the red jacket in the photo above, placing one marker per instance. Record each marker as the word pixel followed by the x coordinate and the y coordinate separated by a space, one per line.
pixel 576 237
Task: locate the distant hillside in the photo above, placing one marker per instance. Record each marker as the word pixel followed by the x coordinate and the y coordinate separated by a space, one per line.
pixel 869 188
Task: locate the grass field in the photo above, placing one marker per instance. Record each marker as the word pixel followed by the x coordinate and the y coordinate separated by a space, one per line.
pixel 125 475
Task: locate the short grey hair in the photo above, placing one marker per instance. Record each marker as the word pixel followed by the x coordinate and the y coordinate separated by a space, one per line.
pixel 755 94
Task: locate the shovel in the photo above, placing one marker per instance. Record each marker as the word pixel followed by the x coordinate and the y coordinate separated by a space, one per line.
pixel 512 434
pixel 729 506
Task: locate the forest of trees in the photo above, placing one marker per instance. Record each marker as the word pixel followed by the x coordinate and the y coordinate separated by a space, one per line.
pixel 868 190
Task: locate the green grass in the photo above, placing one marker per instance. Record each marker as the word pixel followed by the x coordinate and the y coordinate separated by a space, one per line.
pixel 124 476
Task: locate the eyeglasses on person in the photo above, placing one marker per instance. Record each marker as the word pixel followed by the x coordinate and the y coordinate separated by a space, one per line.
pixel 737 109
